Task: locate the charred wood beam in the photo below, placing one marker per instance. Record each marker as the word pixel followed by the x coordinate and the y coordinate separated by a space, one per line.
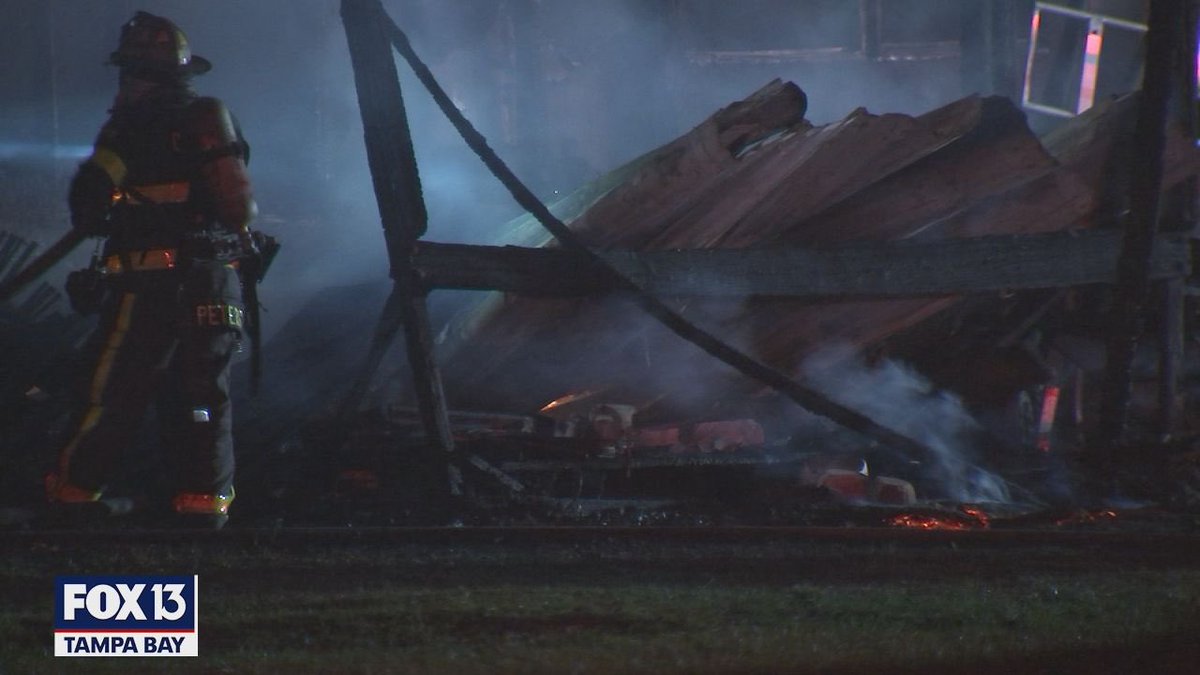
pixel 402 212
pixel 390 155
pixel 877 269
pixel 1164 34
pixel 13 283
pixel 1180 215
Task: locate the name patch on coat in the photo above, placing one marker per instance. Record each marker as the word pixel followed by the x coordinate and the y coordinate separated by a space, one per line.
pixel 230 316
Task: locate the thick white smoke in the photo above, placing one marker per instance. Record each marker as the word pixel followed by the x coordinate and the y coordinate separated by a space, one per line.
pixel 900 398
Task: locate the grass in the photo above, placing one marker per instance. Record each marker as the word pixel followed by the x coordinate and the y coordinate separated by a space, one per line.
pixel 636 607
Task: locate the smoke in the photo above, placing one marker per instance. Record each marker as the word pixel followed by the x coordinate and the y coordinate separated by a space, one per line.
pixel 898 397
pixel 564 90
pixel 41 151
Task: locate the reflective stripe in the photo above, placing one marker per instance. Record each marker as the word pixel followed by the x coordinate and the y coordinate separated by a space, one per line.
pixel 62 492
pixel 160 193
pixel 141 261
pixel 115 339
pixel 111 163
pixel 198 503
pixel 100 377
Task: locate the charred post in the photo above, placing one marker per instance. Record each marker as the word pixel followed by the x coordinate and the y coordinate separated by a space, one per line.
pixel 401 209
pixel 1133 287
pixel 1180 216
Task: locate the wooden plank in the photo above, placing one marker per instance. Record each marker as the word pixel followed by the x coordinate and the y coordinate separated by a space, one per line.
pixel 992 164
pixel 632 204
pixel 875 269
pixel 1098 146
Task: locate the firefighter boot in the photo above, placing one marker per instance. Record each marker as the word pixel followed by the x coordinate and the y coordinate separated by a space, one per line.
pixel 71 505
pixel 202 511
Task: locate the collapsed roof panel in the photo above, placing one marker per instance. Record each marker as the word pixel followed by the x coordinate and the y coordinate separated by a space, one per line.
pixel 756 174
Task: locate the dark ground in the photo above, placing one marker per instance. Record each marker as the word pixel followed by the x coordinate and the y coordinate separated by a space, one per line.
pixel 1085 599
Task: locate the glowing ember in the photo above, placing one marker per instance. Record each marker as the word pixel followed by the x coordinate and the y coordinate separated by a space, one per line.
pixel 977 513
pixel 935 521
pixel 924 521
pixel 569 398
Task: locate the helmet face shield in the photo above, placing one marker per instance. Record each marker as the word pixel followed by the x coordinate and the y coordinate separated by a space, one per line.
pixel 156 45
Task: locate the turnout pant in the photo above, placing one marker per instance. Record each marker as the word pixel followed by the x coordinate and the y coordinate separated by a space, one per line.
pixel 164 337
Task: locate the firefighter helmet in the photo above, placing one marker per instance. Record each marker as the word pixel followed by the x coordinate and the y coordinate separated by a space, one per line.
pixel 154 44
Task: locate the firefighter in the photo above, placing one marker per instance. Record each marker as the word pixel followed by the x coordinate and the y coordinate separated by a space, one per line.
pixel 167 189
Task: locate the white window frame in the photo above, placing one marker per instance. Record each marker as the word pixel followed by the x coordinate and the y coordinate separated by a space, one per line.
pixel 1093 46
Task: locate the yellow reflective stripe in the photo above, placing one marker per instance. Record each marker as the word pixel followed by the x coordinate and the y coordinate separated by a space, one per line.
pixel 95 410
pixel 61 491
pixel 162 193
pixel 111 162
pixel 90 419
pixel 115 338
pixel 155 259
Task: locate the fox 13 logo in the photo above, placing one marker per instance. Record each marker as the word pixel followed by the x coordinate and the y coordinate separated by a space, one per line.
pixel 126 616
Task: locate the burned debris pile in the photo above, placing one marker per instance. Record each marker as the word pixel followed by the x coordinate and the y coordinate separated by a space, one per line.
pixel 969 169
pixel 955 291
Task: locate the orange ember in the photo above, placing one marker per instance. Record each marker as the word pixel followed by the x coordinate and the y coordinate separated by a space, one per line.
pixel 934 521
pixel 918 521
pixel 569 398
pixel 977 513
